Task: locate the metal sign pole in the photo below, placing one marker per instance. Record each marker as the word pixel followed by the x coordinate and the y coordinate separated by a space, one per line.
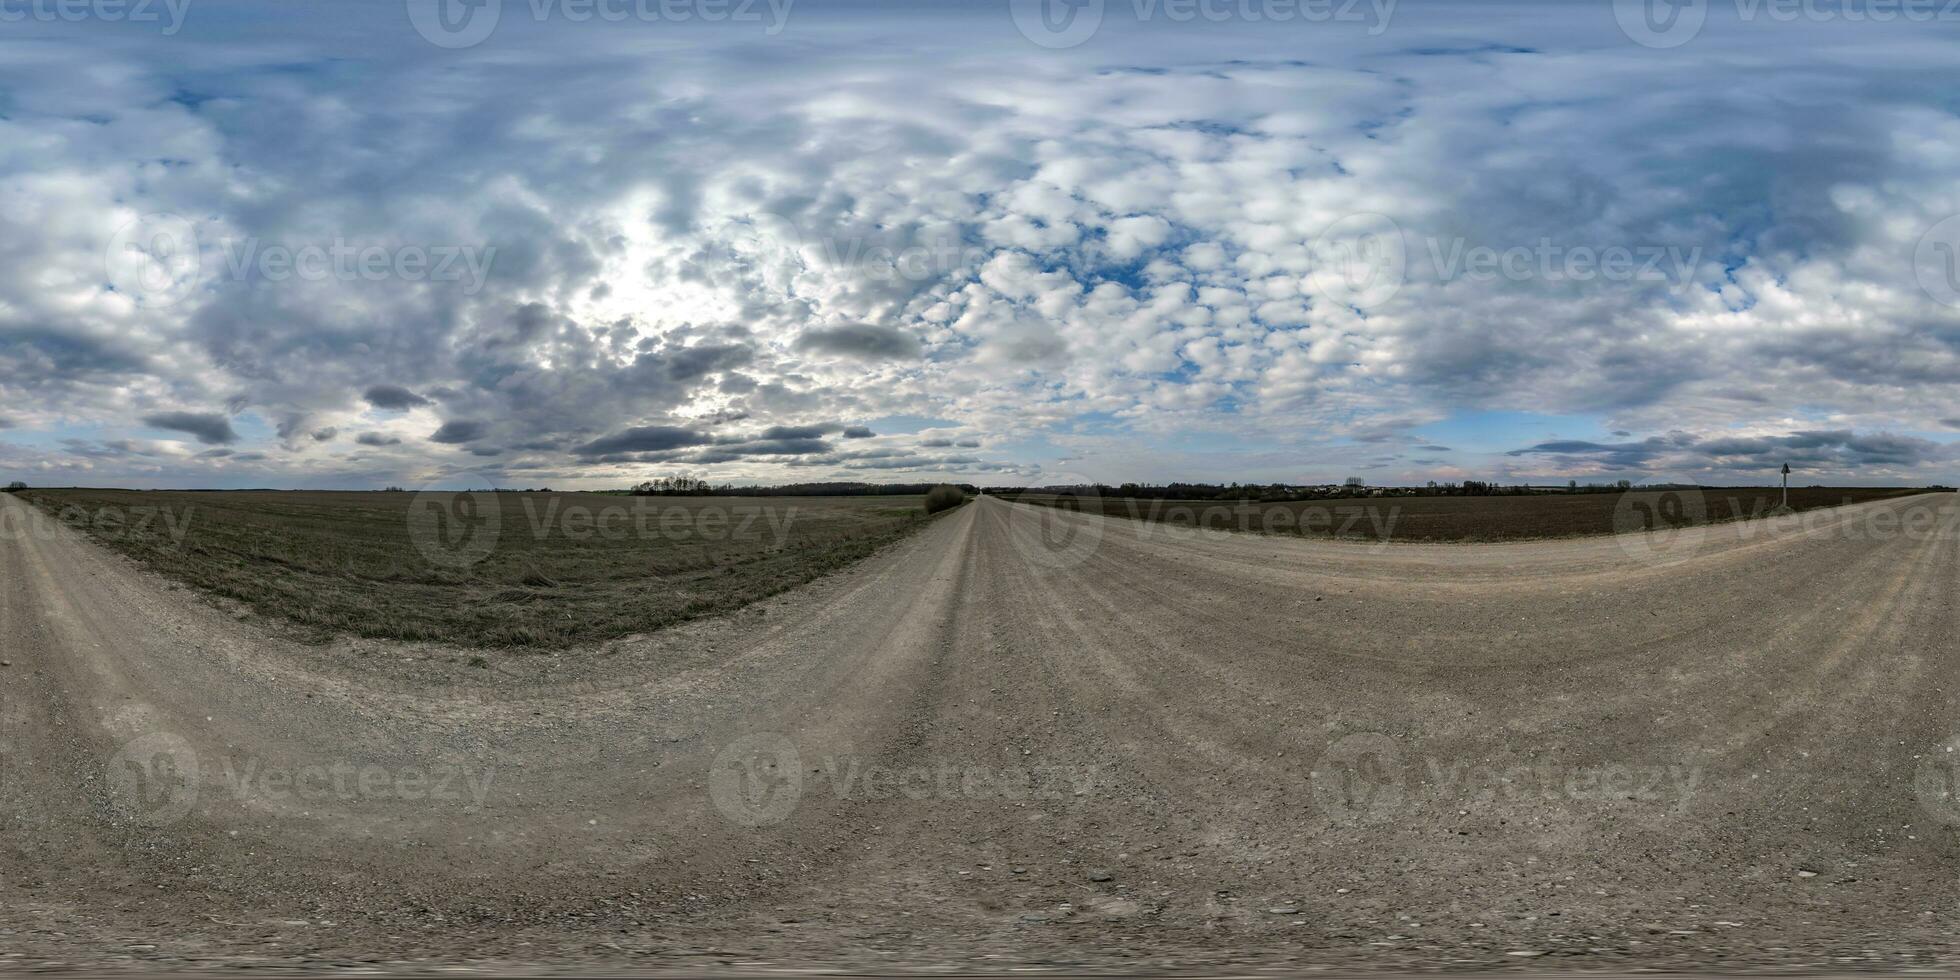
pixel 1786 486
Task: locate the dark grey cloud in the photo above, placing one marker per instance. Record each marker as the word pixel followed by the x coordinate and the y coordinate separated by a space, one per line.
pixel 644 439
pixel 690 363
pixel 777 433
pixel 916 464
pixel 667 443
pixel 457 431
pixel 763 448
pixel 209 428
pixel 861 340
pixel 589 324
pixel 1832 451
pixel 1445 449
pixel 859 432
pixel 1831 448
pixel 773 447
pixel 376 439
pixel 325 435
pixel 394 397
pixel 6 423
pixel 64 356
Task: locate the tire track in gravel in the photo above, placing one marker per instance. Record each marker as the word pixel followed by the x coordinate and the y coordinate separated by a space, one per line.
pixel 993 744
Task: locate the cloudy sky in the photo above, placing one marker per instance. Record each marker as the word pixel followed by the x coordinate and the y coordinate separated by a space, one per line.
pixel 581 243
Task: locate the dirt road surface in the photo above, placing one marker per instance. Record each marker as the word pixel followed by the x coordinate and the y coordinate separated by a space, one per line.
pixel 1026 737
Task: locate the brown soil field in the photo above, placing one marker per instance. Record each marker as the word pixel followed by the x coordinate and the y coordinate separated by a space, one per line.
pixel 483 570
pixel 1494 518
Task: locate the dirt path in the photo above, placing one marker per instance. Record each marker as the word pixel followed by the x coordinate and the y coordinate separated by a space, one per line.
pixel 1028 737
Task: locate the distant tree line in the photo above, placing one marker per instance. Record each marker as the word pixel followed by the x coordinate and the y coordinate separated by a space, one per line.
pixel 691 486
pixel 1280 492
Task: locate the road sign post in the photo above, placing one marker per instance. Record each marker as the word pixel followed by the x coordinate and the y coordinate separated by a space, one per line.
pixel 1786 486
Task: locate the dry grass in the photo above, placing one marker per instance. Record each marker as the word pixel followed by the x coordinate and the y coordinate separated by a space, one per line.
pixel 1501 518
pixel 565 568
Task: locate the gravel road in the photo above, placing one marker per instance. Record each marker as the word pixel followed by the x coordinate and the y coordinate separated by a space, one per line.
pixel 1024 737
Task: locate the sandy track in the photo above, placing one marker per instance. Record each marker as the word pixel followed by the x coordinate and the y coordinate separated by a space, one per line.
pixel 1026 736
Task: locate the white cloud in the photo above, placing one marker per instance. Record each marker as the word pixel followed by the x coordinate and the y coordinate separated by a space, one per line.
pixel 1121 232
